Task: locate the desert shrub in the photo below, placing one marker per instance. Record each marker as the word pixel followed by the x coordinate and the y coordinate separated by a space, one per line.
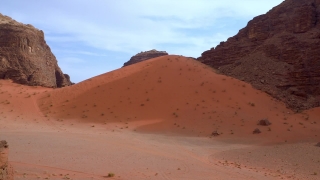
pixel 110 174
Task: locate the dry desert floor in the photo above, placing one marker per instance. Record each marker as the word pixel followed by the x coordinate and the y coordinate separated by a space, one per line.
pixel 153 120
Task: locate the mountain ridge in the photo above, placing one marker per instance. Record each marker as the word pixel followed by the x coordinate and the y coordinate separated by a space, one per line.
pixel 277 52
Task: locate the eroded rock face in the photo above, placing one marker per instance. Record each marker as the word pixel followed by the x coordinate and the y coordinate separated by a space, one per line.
pixel 278 52
pixel 26 58
pixel 6 171
pixel 142 56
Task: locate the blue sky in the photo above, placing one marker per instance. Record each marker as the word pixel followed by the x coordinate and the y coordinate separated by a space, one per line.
pixel 93 37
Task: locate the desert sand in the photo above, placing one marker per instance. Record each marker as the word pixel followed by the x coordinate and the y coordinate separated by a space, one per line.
pixel 153 120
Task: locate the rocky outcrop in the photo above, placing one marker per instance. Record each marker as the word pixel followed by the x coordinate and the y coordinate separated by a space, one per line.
pixel 26 58
pixel 142 56
pixel 6 171
pixel 278 52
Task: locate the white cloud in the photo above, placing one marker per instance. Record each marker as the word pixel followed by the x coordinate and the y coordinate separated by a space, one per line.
pixel 131 27
pixel 186 27
pixel 82 52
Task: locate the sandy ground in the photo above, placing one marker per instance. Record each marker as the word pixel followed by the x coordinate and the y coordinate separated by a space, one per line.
pixel 154 120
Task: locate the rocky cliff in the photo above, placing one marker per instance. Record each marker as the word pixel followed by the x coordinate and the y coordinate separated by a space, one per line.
pixel 6 171
pixel 278 52
pixel 26 58
pixel 142 56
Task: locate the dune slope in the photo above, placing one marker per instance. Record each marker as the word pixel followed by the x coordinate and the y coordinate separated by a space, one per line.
pixel 174 94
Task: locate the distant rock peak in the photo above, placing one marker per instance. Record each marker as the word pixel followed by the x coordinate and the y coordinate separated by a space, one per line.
pixel 152 51
pixel 145 55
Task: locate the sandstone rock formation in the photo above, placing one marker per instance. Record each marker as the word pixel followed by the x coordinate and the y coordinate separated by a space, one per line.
pixel 142 56
pixel 6 171
pixel 278 52
pixel 26 58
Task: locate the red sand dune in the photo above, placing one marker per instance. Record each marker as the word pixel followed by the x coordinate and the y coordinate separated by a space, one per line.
pixel 183 96
pixel 119 121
